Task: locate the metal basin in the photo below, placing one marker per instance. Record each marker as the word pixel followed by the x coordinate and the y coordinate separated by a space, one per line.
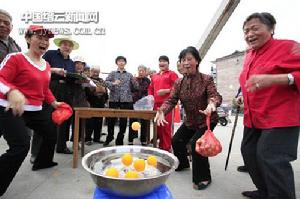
pixel 166 164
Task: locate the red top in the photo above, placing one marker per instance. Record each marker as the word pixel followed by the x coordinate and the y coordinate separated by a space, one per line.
pixel 17 71
pixel 278 105
pixel 159 81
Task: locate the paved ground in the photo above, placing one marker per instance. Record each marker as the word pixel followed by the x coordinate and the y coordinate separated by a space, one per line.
pixel 63 182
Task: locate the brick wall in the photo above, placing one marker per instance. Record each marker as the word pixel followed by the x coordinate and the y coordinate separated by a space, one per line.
pixel 228 69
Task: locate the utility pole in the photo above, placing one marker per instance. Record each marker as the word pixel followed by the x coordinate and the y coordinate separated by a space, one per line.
pixel 217 23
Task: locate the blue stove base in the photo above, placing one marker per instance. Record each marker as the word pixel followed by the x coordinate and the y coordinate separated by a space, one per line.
pixel 162 192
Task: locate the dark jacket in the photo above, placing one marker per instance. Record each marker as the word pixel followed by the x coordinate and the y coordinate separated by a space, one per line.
pixel 10 47
pixel 97 100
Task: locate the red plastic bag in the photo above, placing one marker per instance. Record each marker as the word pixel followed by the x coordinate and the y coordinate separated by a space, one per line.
pixel 208 145
pixel 62 113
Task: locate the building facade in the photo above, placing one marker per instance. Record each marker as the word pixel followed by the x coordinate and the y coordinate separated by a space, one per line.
pixel 226 73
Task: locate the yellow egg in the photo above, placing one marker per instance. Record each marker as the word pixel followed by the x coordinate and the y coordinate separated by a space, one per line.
pixel 112 172
pixel 152 160
pixel 139 165
pixel 135 126
pixel 127 159
pixel 131 174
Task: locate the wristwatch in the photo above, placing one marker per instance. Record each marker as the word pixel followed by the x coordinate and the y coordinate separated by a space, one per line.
pixel 291 79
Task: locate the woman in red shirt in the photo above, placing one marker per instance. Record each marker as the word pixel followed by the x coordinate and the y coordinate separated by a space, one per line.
pixel 160 88
pixel 24 85
pixel 270 82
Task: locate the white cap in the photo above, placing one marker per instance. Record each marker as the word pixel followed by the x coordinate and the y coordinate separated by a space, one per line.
pixel 78 59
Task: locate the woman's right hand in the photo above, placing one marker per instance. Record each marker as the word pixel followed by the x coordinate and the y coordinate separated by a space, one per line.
pixel 16 101
pixel 211 107
pixel 160 118
pixel 240 100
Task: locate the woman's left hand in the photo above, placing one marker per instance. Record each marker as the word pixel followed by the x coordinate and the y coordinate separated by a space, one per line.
pixel 211 107
pixel 160 118
pixel 257 82
pixel 56 104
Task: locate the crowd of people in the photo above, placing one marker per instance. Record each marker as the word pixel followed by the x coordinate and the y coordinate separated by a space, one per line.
pixel 35 82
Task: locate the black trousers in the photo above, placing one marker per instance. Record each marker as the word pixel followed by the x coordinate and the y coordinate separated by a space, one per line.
pixel 122 124
pixel 144 128
pixel 62 93
pixel 62 132
pixel 94 125
pixel 16 134
pixel 267 154
pixel 36 140
pixel 200 164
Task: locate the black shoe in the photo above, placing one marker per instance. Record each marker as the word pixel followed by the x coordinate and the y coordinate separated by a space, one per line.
pixel 182 167
pixel 242 169
pixel 99 141
pixel 253 194
pixel 120 138
pixel 119 142
pixel 144 143
pixel 201 185
pixel 65 151
pixel 106 143
pixel 88 143
pixel 32 159
pixel 36 167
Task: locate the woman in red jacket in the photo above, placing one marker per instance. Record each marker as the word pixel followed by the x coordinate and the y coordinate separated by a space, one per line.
pixel 270 82
pixel 24 85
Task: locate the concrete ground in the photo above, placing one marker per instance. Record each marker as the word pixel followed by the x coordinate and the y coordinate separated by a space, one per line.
pixel 63 182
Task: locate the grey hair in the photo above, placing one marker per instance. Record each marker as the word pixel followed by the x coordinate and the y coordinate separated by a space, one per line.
pixel 95 68
pixel 142 67
pixel 4 12
pixel 264 17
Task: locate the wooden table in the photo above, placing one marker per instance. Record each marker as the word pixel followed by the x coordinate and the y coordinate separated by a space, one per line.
pixel 83 113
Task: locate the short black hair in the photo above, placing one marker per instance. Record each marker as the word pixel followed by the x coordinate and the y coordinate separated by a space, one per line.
pixel 119 58
pixel 193 51
pixel 164 57
pixel 264 17
pixel 28 35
